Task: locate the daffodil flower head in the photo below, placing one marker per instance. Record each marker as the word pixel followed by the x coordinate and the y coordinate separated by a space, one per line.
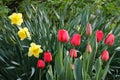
pixel 24 33
pixel 34 50
pixel 16 18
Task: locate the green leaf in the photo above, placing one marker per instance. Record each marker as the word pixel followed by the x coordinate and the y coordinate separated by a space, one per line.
pixel 78 69
pixel 98 67
pixel 59 59
pixel 32 72
pixel 49 74
pixel 57 15
pixel 93 54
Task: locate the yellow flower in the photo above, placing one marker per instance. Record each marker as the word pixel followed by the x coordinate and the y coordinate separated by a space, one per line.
pixel 34 50
pixel 24 33
pixel 16 18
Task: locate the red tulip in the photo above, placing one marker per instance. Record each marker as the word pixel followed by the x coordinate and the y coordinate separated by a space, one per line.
pixel 75 40
pixel 89 29
pixel 109 39
pixel 105 55
pixel 40 64
pixel 63 35
pixel 89 49
pixel 99 35
pixel 73 53
pixel 47 57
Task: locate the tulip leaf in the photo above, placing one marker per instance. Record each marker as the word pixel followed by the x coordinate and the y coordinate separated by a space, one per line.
pixel 98 66
pixel 117 49
pixel 11 67
pixel 93 54
pixel 57 15
pixel 68 74
pixel 49 74
pixel 78 69
pixel 59 60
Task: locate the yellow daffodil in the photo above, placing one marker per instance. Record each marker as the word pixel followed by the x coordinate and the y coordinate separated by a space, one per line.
pixel 24 33
pixel 16 18
pixel 34 50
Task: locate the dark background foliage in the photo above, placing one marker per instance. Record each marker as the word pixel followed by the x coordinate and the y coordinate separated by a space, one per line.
pixel 109 7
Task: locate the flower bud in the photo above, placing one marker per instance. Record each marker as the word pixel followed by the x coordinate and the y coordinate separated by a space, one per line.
pixel 105 55
pixel 109 39
pixel 73 53
pixel 63 35
pixel 40 64
pixel 72 66
pixel 89 49
pixel 75 40
pixel 89 29
pixel 99 35
pixel 47 57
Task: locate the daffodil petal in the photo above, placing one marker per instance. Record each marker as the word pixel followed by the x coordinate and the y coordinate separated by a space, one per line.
pixel 29 54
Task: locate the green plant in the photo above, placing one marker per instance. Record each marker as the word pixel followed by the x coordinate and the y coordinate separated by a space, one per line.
pixel 43 28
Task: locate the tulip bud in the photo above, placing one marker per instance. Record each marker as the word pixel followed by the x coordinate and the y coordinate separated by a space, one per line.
pixel 73 53
pixel 40 64
pixel 47 57
pixel 63 36
pixel 72 66
pixel 89 49
pixel 89 29
pixel 99 35
pixel 75 40
pixel 109 39
pixel 105 55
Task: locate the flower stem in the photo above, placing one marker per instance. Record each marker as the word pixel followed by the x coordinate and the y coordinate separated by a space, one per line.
pixel 40 74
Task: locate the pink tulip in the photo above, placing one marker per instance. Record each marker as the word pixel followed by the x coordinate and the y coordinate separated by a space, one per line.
pixel 63 35
pixel 89 48
pixel 73 53
pixel 105 55
pixel 99 35
pixel 75 40
pixel 109 39
pixel 89 29
pixel 40 64
pixel 47 57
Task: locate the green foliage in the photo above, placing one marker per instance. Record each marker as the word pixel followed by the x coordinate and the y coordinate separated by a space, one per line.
pixel 3 9
pixel 109 7
pixel 15 64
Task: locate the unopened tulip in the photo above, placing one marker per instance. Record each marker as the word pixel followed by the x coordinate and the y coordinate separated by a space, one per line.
pixel 105 55
pixel 73 53
pixel 75 40
pixel 72 66
pixel 109 39
pixel 40 64
pixel 89 49
pixel 63 35
pixel 47 57
pixel 99 35
pixel 89 29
